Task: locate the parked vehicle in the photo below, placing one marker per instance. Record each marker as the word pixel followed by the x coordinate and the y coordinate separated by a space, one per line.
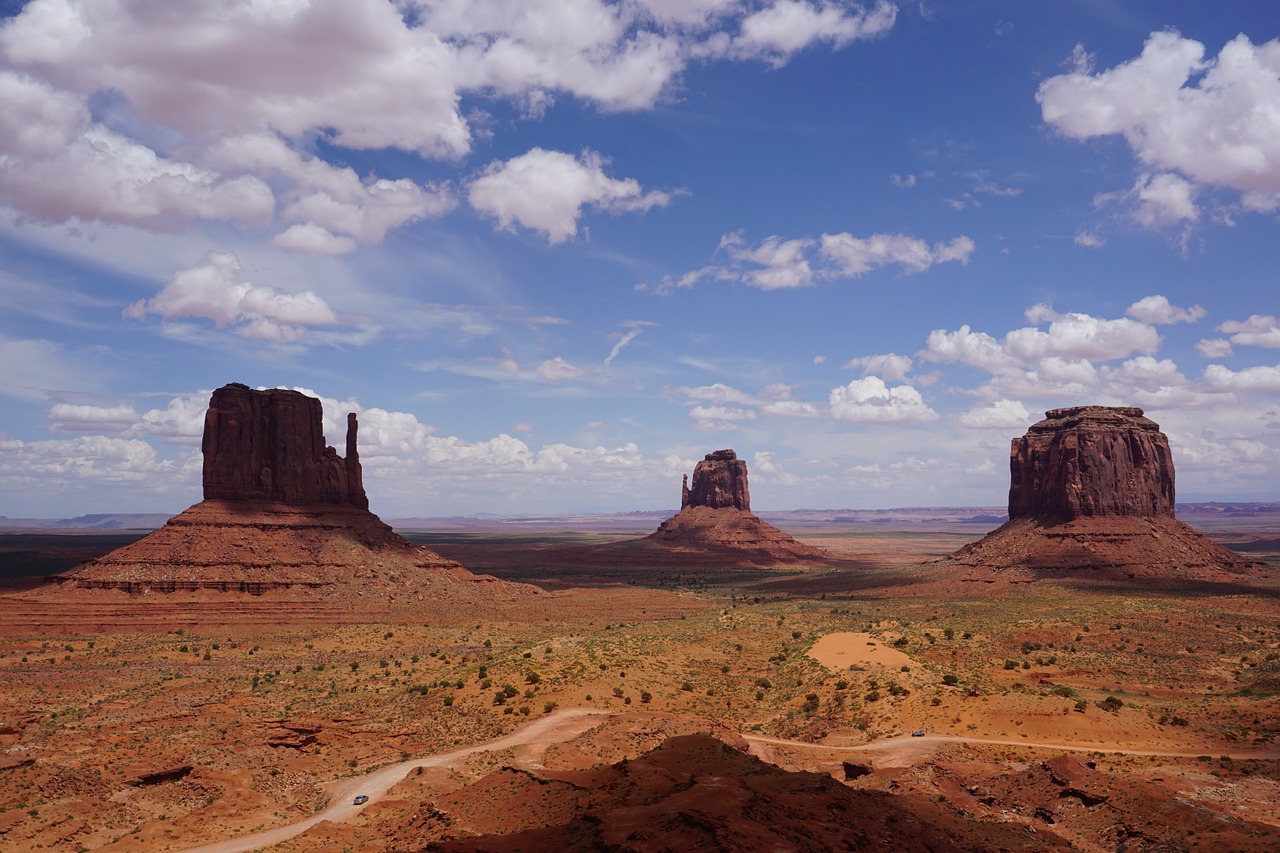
pixel 361 800
pixel 917 734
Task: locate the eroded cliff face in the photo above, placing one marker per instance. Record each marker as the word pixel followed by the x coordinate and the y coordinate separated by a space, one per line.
pixel 1090 461
pixel 269 446
pixel 719 481
pixel 1091 494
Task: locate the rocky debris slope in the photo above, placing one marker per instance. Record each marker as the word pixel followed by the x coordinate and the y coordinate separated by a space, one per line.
pixel 283 514
pixel 694 793
pixel 1092 494
pixel 715 516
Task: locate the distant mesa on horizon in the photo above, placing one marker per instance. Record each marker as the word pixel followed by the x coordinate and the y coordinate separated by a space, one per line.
pixel 284 514
pixel 1091 494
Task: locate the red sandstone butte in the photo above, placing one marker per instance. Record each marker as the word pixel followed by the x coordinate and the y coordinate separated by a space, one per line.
pixel 284 514
pixel 1092 494
pixel 1091 461
pixel 715 516
pixel 269 446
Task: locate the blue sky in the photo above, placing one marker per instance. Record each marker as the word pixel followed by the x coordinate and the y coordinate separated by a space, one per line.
pixel 554 252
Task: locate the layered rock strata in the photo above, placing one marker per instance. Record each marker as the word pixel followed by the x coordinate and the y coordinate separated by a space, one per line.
pixel 715 515
pixel 1092 494
pixel 283 514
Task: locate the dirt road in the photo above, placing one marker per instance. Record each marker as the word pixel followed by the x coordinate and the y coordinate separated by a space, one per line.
pixel 558 726
pixel 567 723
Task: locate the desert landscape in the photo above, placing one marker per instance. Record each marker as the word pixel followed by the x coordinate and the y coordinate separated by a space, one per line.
pixel 589 687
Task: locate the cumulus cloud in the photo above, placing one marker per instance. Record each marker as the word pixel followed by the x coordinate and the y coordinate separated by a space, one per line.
pixel 546 191
pixel 1190 120
pixel 1251 380
pixel 1214 348
pixel 784 27
pixel 215 292
pixel 871 401
pixel 778 264
pixel 123 112
pixel 1260 330
pixel 890 366
pixel 1156 201
pixel 998 414
pixel 1158 311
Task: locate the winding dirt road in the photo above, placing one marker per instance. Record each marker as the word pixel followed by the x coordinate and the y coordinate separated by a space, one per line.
pixel 567 723
pixel 556 727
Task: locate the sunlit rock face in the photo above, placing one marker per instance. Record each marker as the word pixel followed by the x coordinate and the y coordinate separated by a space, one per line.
pixel 269 446
pixel 1091 461
pixel 719 481
pixel 1091 494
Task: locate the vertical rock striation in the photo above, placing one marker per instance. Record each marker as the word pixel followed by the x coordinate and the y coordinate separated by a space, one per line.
pixel 269 446
pixel 1091 493
pixel 1091 461
pixel 719 482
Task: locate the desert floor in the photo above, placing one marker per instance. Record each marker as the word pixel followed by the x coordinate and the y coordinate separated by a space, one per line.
pixel 170 722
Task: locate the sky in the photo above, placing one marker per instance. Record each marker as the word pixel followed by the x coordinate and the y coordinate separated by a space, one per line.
pixel 552 252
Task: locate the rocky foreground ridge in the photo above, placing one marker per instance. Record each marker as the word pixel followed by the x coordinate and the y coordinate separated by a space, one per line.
pixel 283 514
pixel 1091 494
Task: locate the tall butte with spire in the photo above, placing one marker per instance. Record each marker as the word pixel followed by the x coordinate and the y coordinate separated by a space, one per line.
pixel 284 514
pixel 715 517
pixel 1091 494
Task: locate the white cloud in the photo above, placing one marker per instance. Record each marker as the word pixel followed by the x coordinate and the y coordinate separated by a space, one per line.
pixel 1089 239
pixel 123 112
pixel 778 264
pixel 634 329
pixel 1082 336
pixel 1158 311
pixel 79 418
pixel 781 29
pixel 1161 200
pixel 35 369
pixel 998 414
pixel 1251 380
pixel 775 264
pixel 557 369
pixel 60 165
pixel 1214 348
pixel 854 256
pixel 890 366
pixel 546 191
pixel 1210 120
pixel 871 401
pixel 1260 330
pixel 312 239
pixel 214 292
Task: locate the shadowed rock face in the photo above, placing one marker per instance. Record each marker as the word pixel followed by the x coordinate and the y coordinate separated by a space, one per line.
pixel 1091 461
pixel 269 446
pixel 719 481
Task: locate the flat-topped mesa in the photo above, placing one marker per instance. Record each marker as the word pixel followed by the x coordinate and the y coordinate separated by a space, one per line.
pixel 1091 461
pixel 719 481
pixel 269 446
